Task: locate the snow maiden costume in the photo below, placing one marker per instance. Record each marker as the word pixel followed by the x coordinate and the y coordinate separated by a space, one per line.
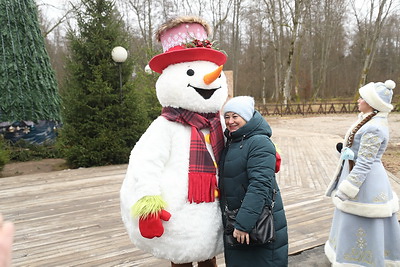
pixel 169 198
pixel 365 229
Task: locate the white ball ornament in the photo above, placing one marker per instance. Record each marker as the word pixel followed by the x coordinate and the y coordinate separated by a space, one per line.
pixel 148 70
pixel 119 54
pixel 390 84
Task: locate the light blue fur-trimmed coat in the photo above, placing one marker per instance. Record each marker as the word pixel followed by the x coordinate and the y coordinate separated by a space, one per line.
pixel 366 189
pixel 365 230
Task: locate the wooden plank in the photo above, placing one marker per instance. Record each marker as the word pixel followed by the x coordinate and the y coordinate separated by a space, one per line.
pixel 309 216
pixel 64 229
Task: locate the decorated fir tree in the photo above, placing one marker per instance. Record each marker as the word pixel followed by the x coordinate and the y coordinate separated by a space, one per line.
pixel 29 101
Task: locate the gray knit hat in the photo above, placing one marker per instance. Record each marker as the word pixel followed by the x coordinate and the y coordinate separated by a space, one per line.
pixel 241 105
pixel 378 95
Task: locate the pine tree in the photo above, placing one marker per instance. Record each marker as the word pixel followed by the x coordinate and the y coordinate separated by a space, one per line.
pixel 28 89
pixel 99 127
pixel 4 156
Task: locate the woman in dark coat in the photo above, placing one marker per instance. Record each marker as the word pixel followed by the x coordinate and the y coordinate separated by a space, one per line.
pixel 247 181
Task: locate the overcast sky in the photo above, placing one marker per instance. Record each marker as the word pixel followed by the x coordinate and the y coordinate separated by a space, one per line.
pixel 53 8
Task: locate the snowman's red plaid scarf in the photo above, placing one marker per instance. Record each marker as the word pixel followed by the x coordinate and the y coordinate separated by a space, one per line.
pixel 202 170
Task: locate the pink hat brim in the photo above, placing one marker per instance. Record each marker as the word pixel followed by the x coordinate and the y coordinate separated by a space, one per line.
pixel 159 62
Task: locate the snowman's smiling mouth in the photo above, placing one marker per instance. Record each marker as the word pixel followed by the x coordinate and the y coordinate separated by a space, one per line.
pixel 205 93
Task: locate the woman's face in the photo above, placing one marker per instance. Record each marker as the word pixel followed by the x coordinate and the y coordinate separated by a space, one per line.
pixel 363 106
pixel 233 121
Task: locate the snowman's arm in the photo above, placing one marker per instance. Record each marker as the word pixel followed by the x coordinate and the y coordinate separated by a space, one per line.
pixel 142 185
pixel 147 161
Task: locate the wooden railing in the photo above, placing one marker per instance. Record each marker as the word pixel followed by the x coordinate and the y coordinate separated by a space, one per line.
pixel 280 109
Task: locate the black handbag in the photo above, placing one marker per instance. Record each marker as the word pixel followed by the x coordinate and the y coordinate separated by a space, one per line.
pixel 262 233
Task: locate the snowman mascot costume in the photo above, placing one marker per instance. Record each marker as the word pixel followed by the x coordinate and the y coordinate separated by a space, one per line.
pixel 169 197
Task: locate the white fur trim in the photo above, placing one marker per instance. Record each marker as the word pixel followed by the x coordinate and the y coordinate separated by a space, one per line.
pixel 332 185
pixel 392 263
pixel 395 200
pixel 349 189
pixel 331 255
pixel 368 210
pixel 390 84
pixel 369 94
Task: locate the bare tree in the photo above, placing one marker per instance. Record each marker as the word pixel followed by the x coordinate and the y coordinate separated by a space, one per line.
pixel 219 11
pixel 236 41
pixel 276 48
pixel 297 14
pixel 274 18
pixel 284 17
pixel 263 56
pixel 373 28
pixel 65 13
pixel 387 57
pixel 331 20
pixel 142 10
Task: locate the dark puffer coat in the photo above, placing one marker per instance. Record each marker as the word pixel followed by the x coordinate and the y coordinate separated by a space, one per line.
pixel 246 181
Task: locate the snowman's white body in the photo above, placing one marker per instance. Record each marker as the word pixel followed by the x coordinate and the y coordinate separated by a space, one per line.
pixel 159 165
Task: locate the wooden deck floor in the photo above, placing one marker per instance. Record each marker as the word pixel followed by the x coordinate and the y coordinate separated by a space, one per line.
pixel 72 217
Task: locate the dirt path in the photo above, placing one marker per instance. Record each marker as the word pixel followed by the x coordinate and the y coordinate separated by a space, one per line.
pixel 332 124
pixel 338 125
pixel 30 167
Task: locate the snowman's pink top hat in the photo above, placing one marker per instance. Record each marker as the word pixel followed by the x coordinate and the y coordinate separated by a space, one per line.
pixel 184 39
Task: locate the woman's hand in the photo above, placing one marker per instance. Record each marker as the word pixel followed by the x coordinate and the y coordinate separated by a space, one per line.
pixel 241 236
pixel 6 240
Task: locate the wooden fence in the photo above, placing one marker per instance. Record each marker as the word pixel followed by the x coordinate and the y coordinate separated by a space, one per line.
pixel 309 108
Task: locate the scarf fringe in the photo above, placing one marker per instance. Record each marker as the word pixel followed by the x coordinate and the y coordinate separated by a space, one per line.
pixel 202 187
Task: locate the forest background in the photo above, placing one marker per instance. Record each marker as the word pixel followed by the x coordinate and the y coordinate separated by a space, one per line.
pixel 278 50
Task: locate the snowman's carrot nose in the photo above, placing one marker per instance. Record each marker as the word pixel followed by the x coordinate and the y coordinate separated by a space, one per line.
pixel 212 76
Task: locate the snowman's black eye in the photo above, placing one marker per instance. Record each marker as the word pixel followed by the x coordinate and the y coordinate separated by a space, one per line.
pixel 190 72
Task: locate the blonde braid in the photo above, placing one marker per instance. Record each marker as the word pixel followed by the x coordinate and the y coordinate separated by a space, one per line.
pixel 350 139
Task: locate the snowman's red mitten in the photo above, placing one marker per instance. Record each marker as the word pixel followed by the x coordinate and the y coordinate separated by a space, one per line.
pixel 151 226
pixel 278 162
pixel 151 213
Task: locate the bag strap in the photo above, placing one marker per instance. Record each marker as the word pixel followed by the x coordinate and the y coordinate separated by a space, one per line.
pixel 274 192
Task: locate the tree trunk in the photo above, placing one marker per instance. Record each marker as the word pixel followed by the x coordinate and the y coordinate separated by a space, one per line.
pixel 371 43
